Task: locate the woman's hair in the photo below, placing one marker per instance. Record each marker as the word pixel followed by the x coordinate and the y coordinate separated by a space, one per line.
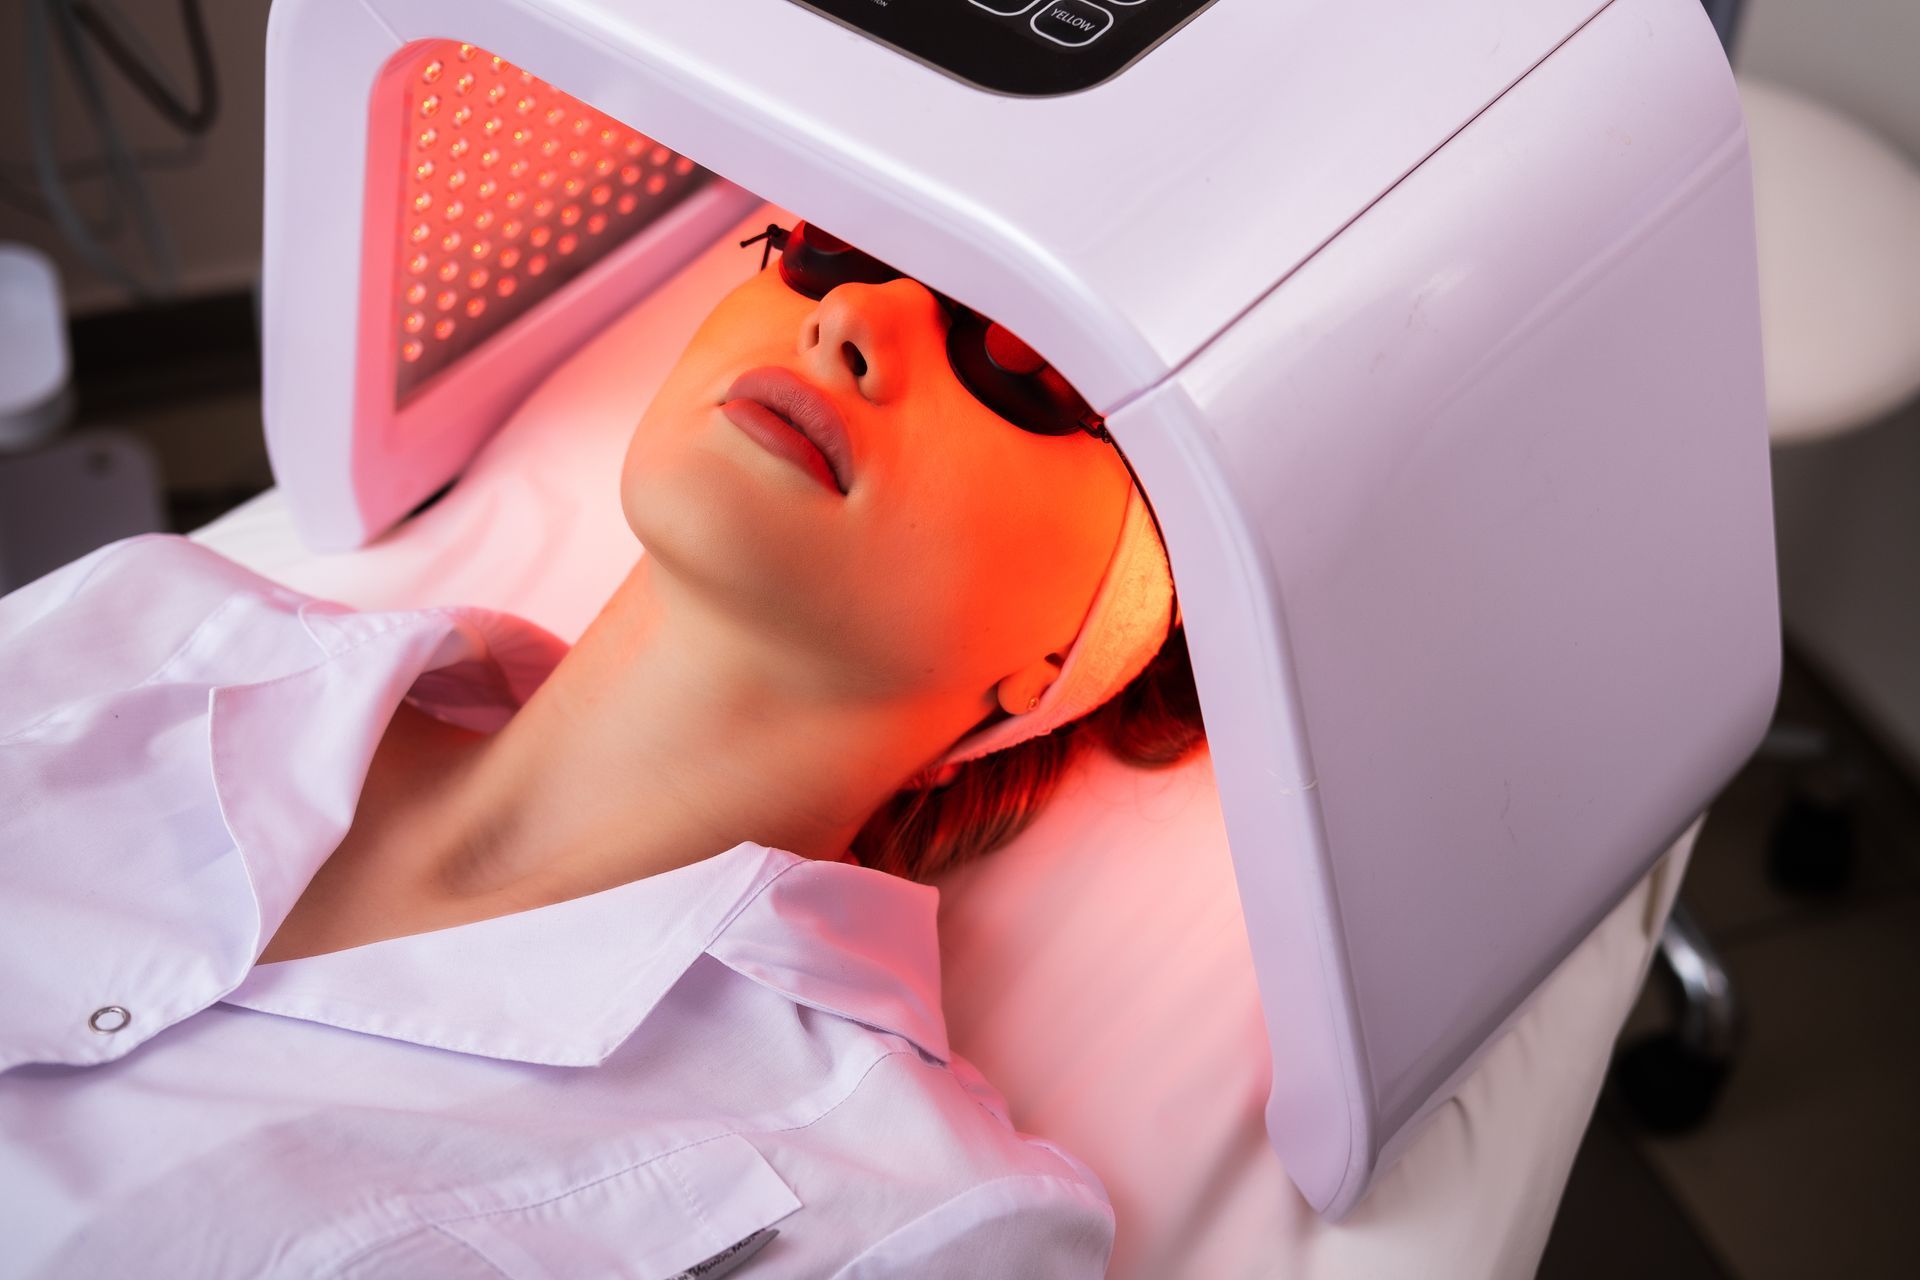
pixel 924 830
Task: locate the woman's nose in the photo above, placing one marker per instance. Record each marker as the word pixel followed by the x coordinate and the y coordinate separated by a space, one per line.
pixel 862 335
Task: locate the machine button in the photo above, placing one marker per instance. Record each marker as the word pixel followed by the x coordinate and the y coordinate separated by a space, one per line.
pixel 1071 22
pixel 1006 8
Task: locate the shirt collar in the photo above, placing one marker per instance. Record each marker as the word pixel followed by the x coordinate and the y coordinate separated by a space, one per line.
pixel 562 984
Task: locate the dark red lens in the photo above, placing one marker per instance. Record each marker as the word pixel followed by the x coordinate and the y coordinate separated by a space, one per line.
pixel 1010 353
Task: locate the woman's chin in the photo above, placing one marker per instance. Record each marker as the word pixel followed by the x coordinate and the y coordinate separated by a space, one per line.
pixel 733 515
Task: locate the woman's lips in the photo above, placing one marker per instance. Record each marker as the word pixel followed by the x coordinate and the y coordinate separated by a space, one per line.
pixel 791 417
pixel 779 436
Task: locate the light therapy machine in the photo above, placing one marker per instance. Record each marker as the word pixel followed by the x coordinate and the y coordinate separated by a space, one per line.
pixel 1429 329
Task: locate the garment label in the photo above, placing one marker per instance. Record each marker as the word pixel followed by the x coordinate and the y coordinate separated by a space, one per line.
pixel 723 1262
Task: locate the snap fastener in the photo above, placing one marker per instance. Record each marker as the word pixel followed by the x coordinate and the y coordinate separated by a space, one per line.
pixel 104 1019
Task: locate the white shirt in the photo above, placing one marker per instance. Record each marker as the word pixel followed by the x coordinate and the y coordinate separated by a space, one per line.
pixel 748 1051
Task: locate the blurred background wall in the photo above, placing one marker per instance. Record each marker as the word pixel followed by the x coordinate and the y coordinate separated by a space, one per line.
pixel 206 191
pixel 1848 507
pixel 1856 54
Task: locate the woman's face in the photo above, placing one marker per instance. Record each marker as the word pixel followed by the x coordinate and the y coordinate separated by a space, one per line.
pixel 965 549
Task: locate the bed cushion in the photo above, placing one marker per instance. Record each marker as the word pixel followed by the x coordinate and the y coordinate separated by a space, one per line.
pixel 1096 970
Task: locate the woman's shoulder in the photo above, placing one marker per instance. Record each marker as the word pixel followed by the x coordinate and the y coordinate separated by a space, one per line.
pixel 1027 1153
pixel 969 1185
pixel 157 574
pixel 137 609
pixel 945 1121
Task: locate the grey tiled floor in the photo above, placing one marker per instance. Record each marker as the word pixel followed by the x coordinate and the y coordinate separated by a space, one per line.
pixel 1806 1168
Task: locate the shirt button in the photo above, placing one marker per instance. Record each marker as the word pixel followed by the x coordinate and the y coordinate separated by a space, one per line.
pixel 109 1019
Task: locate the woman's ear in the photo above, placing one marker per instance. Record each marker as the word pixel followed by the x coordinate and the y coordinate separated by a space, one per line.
pixel 933 779
pixel 1019 691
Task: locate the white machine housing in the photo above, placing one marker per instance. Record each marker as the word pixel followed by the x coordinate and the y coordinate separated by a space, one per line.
pixel 1429 329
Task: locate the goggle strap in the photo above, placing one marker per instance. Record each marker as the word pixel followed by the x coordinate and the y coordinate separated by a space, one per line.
pixel 776 237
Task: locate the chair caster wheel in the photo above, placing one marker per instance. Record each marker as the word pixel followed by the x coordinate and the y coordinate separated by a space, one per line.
pixel 1813 846
pixel 1669 1086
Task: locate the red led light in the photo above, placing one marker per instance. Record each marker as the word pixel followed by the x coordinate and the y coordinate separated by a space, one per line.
pixel 472 193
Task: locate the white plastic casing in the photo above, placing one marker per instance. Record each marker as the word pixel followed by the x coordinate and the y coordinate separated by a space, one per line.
pixel 1430 331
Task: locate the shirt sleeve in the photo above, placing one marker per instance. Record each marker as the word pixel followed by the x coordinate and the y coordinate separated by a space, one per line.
pixel 106 621
pixel 25 615
pixel 1029 1225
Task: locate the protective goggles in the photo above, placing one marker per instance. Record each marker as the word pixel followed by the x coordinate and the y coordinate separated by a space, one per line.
pixel 1000 371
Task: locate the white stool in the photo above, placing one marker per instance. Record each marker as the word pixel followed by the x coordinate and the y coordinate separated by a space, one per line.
pixel 1837 211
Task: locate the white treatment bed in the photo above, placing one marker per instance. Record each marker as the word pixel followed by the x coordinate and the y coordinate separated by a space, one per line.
pixel 1097 970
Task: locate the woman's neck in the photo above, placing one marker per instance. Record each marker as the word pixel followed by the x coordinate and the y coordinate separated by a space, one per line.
pixel 666 735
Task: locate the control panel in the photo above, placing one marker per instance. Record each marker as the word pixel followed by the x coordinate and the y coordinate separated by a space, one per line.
pixel 1033 48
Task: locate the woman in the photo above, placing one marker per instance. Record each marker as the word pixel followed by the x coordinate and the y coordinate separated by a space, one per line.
pixel 415 943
